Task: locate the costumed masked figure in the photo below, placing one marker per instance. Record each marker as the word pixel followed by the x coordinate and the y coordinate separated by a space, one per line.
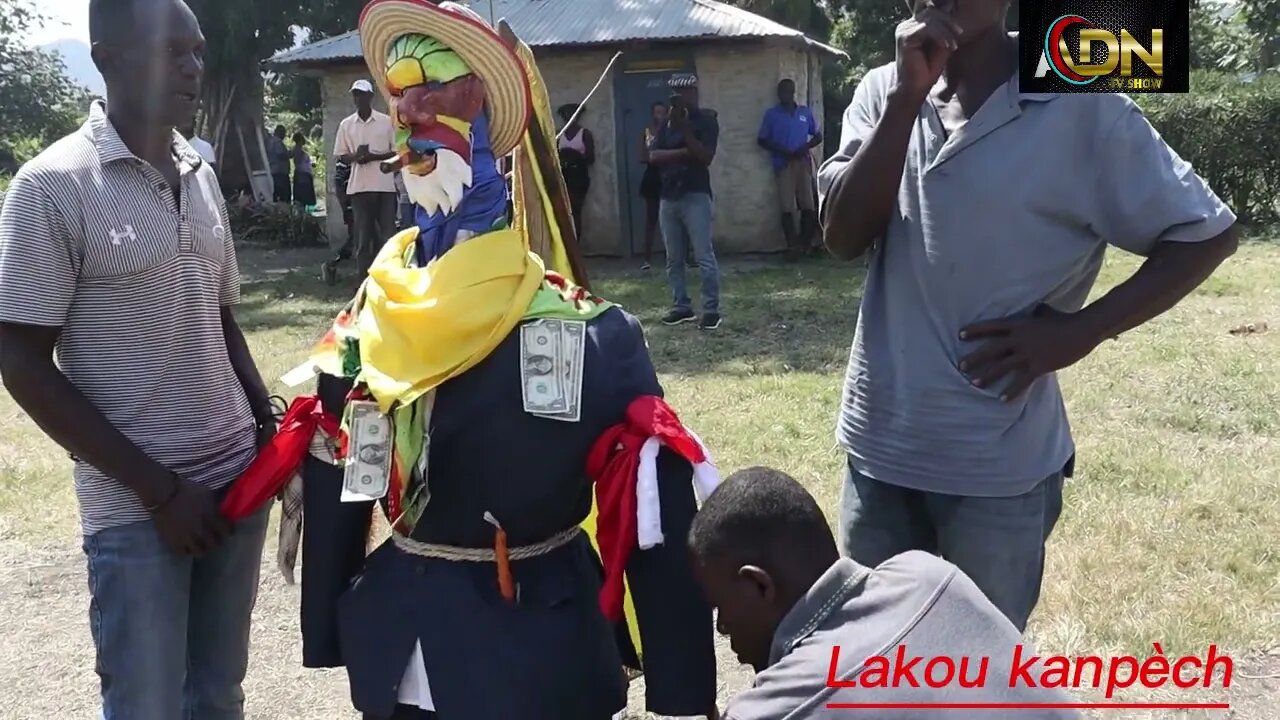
pixel 509 425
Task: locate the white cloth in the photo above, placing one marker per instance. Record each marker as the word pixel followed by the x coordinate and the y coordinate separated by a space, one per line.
pixel 648 504
pixel 203 147
pixel 415 690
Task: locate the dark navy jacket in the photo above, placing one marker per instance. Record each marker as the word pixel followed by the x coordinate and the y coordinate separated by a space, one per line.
pixel 553 655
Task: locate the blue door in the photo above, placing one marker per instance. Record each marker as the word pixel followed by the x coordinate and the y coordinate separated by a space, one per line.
pixel 641 82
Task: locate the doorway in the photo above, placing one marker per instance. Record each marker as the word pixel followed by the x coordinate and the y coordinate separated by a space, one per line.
pixel 643 80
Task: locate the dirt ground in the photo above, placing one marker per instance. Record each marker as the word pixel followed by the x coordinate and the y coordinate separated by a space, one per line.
pixel 46 657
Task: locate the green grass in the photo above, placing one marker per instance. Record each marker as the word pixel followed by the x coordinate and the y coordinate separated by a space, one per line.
pixel 1171 529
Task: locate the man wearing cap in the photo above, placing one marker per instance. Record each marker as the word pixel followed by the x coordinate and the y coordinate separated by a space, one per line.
pixel 365 139
pixel 683 150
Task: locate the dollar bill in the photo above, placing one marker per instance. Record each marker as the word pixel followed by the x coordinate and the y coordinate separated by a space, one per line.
pixel 367 475
pixel 573 336
pixel 542 367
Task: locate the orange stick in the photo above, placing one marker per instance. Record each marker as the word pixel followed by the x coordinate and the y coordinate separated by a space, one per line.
pixel 506 584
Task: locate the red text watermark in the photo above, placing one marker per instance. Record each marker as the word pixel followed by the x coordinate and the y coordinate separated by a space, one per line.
pixel 901 669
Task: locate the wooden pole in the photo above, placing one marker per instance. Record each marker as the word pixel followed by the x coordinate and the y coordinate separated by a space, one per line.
pixel 547 161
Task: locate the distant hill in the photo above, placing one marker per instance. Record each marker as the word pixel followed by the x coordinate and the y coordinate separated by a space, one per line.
pixel 79 63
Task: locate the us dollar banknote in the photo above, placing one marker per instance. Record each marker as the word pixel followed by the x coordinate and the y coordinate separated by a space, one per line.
pixel 542 367
pixel 367 475
pixel 572 339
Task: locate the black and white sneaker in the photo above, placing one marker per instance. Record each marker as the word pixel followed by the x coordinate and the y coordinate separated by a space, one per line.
pixel 710 321
pixel 677 316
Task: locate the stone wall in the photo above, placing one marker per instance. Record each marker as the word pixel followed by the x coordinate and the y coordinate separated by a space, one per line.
pixel 738 82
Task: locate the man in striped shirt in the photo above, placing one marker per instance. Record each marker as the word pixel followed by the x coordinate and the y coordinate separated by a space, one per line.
pixel 115 250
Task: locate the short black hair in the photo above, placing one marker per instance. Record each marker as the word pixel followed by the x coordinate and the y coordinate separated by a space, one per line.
pixel 762 516
pixel 786 81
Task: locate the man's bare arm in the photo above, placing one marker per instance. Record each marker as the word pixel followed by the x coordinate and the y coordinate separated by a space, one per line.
pixel 246 369
pixel 859 204
pixel 66 416
pixel 1171 272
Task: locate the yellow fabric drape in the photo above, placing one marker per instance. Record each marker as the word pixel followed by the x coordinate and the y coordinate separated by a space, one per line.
pixel 420 327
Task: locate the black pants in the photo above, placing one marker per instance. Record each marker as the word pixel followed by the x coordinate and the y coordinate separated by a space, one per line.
pixel 282 187
pixel 373 219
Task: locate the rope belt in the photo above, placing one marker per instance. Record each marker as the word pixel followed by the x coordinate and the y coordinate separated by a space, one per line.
pixel 458 554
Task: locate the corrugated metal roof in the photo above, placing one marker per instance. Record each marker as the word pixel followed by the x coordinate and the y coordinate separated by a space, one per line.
pixel 561 23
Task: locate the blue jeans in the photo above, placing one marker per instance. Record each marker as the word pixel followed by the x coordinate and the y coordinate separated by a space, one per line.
pixel 997 541
pixel 172 632
pixel 688 220
pixel 408 215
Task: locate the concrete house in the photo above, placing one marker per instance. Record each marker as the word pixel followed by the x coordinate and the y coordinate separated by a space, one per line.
pixel 739 58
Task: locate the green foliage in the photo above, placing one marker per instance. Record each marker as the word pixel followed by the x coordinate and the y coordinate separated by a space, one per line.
pixel 1221 41
pixel 275 225
pixel 300 94
pixel 38 103
pixel 1227 130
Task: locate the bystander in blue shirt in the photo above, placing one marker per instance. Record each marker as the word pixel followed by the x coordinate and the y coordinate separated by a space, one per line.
pixel 789 132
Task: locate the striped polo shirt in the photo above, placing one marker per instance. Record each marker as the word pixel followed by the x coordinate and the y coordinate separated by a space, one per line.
pixel 94 241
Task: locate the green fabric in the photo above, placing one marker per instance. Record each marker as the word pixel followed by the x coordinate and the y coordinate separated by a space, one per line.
pixel 550 303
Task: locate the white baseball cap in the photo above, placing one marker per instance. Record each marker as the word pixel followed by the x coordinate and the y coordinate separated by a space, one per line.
pixel 362 86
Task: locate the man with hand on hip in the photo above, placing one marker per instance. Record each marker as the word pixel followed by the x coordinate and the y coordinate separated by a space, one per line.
pixel 949 175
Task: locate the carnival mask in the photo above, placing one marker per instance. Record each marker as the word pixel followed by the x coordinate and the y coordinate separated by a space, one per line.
pixel 435 102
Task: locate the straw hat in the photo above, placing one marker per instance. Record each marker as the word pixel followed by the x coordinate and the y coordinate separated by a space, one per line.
pixel 468 35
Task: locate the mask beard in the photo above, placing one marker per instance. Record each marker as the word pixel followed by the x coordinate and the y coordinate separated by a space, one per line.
pixel 442 189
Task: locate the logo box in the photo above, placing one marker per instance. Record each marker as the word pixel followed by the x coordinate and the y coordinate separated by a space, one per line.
pixel 1131 46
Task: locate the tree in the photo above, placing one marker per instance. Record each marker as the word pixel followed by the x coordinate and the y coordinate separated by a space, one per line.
pixel 293 94
pixel 1221 39
pixel 239 35
pixel 38 102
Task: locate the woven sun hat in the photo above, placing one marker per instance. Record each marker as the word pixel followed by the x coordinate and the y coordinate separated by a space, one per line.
pixel 468 35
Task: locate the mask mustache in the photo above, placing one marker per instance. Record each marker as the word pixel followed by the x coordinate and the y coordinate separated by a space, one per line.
pixel 443 188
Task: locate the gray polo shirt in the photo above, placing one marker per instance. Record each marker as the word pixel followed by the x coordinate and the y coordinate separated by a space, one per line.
pixel 1015 209
pixel 92 240
pixel 917 602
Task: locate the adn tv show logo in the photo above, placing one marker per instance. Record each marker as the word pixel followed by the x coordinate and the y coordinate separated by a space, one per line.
pixel 1104 46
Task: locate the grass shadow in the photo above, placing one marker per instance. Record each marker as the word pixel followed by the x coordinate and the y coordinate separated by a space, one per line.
pixel 776 318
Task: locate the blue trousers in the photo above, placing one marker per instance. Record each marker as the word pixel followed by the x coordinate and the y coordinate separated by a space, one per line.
pixel 686 221
pixel 997 541
pixel 172 632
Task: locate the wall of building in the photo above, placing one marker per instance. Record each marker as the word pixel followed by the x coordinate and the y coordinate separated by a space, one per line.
pixel 738 82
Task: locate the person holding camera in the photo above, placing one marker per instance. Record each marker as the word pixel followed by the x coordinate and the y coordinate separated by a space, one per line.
pixel 683 150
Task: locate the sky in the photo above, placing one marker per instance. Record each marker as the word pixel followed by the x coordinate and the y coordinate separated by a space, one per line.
pixel 67 19
pixel 70 19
